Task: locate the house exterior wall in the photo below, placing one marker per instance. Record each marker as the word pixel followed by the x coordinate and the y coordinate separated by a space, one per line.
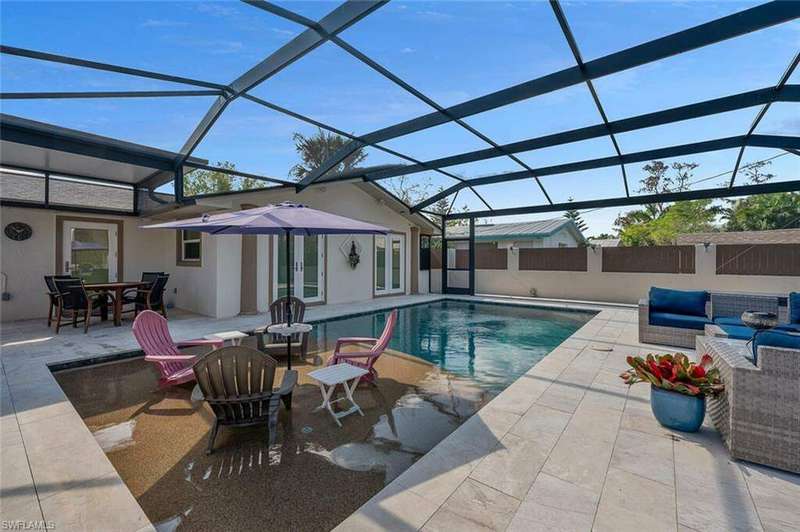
pixel 214 287
pixel 26 263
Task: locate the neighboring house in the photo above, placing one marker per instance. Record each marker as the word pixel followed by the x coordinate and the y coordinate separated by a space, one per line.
pixel 553 233
pixel 604 242
pixel 775 236
pixel 85 210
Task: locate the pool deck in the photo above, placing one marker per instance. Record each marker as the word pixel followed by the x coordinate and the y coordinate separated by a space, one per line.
pixel 565 447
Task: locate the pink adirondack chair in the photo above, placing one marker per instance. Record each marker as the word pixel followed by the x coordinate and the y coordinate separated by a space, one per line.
pixel 152 333
pixel 365 359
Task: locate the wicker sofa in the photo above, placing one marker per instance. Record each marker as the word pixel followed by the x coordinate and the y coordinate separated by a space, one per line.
pixel 722 319
pixel 757 414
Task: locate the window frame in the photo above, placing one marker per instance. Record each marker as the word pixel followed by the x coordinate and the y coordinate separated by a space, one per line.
pixel 181 259
pixel 388 264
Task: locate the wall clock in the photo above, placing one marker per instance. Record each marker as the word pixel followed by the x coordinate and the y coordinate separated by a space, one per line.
pixel 18 231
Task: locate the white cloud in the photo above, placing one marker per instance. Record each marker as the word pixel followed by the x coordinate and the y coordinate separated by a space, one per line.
pixel 434 15
pixel 408 50
pixel 162 23
pixel 282 32
pixel 217 10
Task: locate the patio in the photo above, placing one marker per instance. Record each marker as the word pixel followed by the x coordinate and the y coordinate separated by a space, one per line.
pixel 567 447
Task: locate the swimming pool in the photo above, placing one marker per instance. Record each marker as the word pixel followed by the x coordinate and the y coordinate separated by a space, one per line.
pixel 491 344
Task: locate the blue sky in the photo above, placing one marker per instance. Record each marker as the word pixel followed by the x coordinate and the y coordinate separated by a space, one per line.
pixel 451 51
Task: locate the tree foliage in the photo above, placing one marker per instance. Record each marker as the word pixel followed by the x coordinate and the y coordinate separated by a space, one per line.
pixel 575 216
pixel 682 217
pixel 315 149
pixel 199 181
pixel 763 212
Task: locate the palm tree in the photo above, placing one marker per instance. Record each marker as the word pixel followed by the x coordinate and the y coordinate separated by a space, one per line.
pixel 315 149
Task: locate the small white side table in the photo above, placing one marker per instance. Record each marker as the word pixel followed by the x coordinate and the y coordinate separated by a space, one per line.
pixel 234 336
pixel 329 377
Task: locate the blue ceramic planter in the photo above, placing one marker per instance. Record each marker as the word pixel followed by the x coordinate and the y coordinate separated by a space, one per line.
pixel 676 410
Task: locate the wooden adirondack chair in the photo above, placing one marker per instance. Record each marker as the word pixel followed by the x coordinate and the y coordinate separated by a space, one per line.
pixel 275 344
pixel 237 383
pixel 152 333
pixel 365 359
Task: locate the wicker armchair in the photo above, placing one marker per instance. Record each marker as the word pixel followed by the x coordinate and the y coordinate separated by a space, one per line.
pixel 757 414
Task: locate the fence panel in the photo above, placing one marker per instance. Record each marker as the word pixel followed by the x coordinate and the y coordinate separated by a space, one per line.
pixel 436 258
pixel 758 259
pixel 553 259
pixel 649 259
pixel 489 257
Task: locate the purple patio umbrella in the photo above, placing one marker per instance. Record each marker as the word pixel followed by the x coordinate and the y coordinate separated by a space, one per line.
pixel 283 219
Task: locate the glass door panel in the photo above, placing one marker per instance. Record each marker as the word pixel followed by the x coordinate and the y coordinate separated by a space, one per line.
pixel 306 259
pixel 380 263
pixel 311 265
pixel 396 264
pixel 280 266
pixel 90 251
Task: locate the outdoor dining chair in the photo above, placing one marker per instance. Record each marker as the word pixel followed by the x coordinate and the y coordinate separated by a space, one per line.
pixel 147 277
pixel 72 298
pixel 148 298
pixel 274 344
pixel 365 359
pixel 237 383
pixel 52 294
pixel 175 367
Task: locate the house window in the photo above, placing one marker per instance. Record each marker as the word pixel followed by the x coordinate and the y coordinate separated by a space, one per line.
pixel 189 248
pixel 389 264
pixel 424 252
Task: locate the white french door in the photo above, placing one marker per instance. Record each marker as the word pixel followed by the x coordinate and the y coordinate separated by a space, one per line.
pixel 90 251
pixel 307 260
pixel 390 271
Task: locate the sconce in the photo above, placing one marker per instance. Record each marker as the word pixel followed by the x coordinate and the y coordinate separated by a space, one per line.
pixel 706 245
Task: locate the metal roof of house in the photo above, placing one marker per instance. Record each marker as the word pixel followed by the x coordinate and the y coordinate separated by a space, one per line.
pixel 776 236
pixel 518 231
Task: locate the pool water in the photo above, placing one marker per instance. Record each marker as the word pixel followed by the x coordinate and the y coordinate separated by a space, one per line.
pixel 488 343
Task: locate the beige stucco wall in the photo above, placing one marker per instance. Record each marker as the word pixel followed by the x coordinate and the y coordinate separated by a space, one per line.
pixel 26 263
pixel 595 285
pixel 214 288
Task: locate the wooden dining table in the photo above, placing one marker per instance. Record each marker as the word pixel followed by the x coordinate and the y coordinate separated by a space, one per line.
pixel 117 288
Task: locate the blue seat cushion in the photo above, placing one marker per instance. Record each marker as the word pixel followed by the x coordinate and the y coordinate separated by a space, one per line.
pixel 775 338
pixel 738 332
pixel 729 320
pixel 681 321
pixel 794 307
pixel 688 302
pixel 789 327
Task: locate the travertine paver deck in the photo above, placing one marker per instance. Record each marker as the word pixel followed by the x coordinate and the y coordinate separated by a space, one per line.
pixel 51 469
pixel 569 447
pixel 565 447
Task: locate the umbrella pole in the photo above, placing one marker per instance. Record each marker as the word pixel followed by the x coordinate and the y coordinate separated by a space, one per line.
pixel 288 300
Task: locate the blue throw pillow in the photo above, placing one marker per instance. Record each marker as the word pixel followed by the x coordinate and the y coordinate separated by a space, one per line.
pixel 794 307
pixel 775 338
pixel 689 302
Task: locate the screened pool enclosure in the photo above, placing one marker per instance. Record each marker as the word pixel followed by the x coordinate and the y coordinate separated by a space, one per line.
pixel 124 128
